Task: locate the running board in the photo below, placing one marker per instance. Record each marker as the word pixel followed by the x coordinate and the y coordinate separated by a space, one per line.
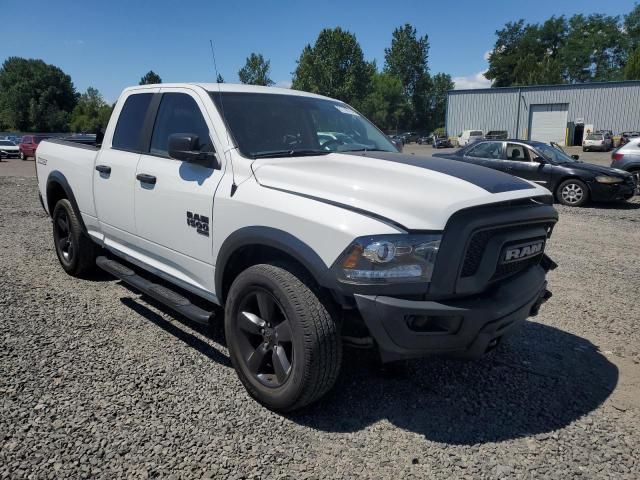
pixel 160 293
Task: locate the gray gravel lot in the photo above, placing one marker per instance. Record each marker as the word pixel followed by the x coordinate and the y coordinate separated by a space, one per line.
pixel 98 382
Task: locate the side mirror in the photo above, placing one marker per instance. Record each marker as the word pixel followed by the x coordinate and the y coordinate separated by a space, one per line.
pixel 575 157
pixel 540 160
pixel 186 147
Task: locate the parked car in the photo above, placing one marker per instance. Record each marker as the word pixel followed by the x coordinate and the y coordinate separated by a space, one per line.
pixel 397 140
pixel 441 141
pixel 29 145
pixel 469 136
pixel 625 137
pixel 304 247
pixel 627 157
pixel 597 141
pixel 572 182
pixel 425 140
pixel 8 149
pixel 496 135
pixel 409 137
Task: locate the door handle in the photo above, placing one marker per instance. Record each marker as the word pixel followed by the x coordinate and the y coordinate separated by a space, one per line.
pixel 103 169
pixel 144 178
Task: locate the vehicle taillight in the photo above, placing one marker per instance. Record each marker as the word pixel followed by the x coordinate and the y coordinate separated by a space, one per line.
pixel 616 156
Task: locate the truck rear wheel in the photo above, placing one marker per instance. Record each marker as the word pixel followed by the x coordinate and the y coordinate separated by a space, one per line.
pixel 76 252
pixel 282 341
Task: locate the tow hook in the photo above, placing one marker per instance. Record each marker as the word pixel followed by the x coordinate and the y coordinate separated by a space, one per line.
pixel 547 263
pixel 546 295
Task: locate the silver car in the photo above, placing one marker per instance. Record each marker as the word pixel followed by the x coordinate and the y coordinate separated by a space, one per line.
pixel 627 157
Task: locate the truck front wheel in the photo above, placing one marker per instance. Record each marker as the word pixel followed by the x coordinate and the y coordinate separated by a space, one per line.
pixel 76 252
pixel 283 343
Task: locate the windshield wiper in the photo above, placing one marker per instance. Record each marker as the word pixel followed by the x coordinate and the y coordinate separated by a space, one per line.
pixel 363 150
pixel 290 153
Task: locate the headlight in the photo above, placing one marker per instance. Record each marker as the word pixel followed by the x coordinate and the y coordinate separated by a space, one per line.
pixel 383 259
pixel 607 179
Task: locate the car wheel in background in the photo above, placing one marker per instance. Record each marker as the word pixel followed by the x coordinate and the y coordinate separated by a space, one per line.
pixel 22 156
pixel 573 192
pixel 636 178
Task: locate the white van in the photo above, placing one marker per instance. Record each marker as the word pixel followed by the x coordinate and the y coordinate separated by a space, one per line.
pixel 470 136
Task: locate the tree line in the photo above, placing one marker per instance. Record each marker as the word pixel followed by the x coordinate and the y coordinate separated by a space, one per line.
pixel 581 48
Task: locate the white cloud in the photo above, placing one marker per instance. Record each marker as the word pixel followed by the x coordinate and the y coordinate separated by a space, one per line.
pixel 475 80
pixel 283 84
pixel 487 54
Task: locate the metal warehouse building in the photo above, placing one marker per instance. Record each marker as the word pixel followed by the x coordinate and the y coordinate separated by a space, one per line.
pixel 558 113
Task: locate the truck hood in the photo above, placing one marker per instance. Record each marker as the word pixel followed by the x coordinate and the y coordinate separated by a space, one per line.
pixel 410 191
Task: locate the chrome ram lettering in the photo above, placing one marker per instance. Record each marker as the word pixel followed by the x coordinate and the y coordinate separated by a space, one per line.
pixel 520 252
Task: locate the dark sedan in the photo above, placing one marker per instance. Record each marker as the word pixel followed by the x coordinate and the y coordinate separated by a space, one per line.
pixel 572 182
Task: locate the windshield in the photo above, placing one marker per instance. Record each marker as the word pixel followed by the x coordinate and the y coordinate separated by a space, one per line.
pixel 267 124
pixel 594 137
pixel 553 154
pixel 6 143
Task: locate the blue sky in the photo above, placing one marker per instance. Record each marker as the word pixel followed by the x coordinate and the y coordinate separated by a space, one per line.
pixel 111 44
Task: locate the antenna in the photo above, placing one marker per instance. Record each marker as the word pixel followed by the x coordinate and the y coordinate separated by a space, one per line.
pixel 234 187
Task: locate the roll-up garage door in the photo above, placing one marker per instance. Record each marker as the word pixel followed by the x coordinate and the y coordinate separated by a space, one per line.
pixel 548 122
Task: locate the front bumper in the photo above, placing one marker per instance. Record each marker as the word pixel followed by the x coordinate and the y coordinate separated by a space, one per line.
pixel 465 328
pixel 601 192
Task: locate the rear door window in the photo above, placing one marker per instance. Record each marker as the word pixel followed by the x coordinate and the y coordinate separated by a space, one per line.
pixel 517 153
pixel 490 150
pixel 131 121
pixel 476 133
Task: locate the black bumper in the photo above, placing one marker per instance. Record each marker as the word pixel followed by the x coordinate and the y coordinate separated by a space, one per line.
pixel 465 328
pixel 618 191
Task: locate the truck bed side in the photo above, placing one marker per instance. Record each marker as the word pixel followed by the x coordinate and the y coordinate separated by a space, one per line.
pixel 60 162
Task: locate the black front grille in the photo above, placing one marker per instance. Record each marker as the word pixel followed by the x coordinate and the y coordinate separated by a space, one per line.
pixel 478 245
pixel 504 270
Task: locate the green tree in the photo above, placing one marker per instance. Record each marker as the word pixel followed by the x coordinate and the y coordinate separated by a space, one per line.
pixel 35 96
pixel 595 49
pixel 334 66
pixel 219 79
pixel 150 78
pixel 256 71
pixel 386 104
pixel 632 68
pixel 441 83
pixel 528 54
pixel 632 26
pixel 407 58
pixel 91 112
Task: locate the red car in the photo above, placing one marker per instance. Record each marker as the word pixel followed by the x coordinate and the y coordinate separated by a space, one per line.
pixel 29 144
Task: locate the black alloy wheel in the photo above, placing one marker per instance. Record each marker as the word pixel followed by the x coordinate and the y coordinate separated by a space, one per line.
pixel 62 237
pixel 264 337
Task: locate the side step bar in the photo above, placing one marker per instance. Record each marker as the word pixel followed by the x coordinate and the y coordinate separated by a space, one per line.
pixel 160 293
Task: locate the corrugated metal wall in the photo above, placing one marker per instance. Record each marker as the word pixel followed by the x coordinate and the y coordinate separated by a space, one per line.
pixel 609 106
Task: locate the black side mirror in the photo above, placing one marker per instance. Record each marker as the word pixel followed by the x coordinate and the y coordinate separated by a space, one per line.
pixel 575 157
pixel 186 147
pixel 540 160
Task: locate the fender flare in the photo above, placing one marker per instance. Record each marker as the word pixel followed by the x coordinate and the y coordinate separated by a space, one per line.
pixel 57 177
pixel 278 239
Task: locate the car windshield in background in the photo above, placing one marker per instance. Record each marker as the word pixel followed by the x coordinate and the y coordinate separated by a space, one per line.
pixel 553 154
pixel 272 125
pixel 7 143
pixel 476 133
pixel 594 137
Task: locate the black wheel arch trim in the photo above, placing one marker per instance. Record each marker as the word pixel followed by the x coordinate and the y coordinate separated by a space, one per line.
pixel 274 238
pixel 57 177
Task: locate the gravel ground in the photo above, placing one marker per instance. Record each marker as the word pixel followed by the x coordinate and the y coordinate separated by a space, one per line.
pixel 98 382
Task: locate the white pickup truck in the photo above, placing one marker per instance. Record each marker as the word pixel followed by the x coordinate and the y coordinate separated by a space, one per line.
pixel 302 220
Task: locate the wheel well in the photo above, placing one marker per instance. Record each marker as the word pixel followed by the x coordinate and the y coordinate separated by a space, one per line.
pixel 55 193
pixel 249 255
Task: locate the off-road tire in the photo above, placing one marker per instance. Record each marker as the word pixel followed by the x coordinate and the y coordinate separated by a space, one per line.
pixel 315 337
pixel 76 251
